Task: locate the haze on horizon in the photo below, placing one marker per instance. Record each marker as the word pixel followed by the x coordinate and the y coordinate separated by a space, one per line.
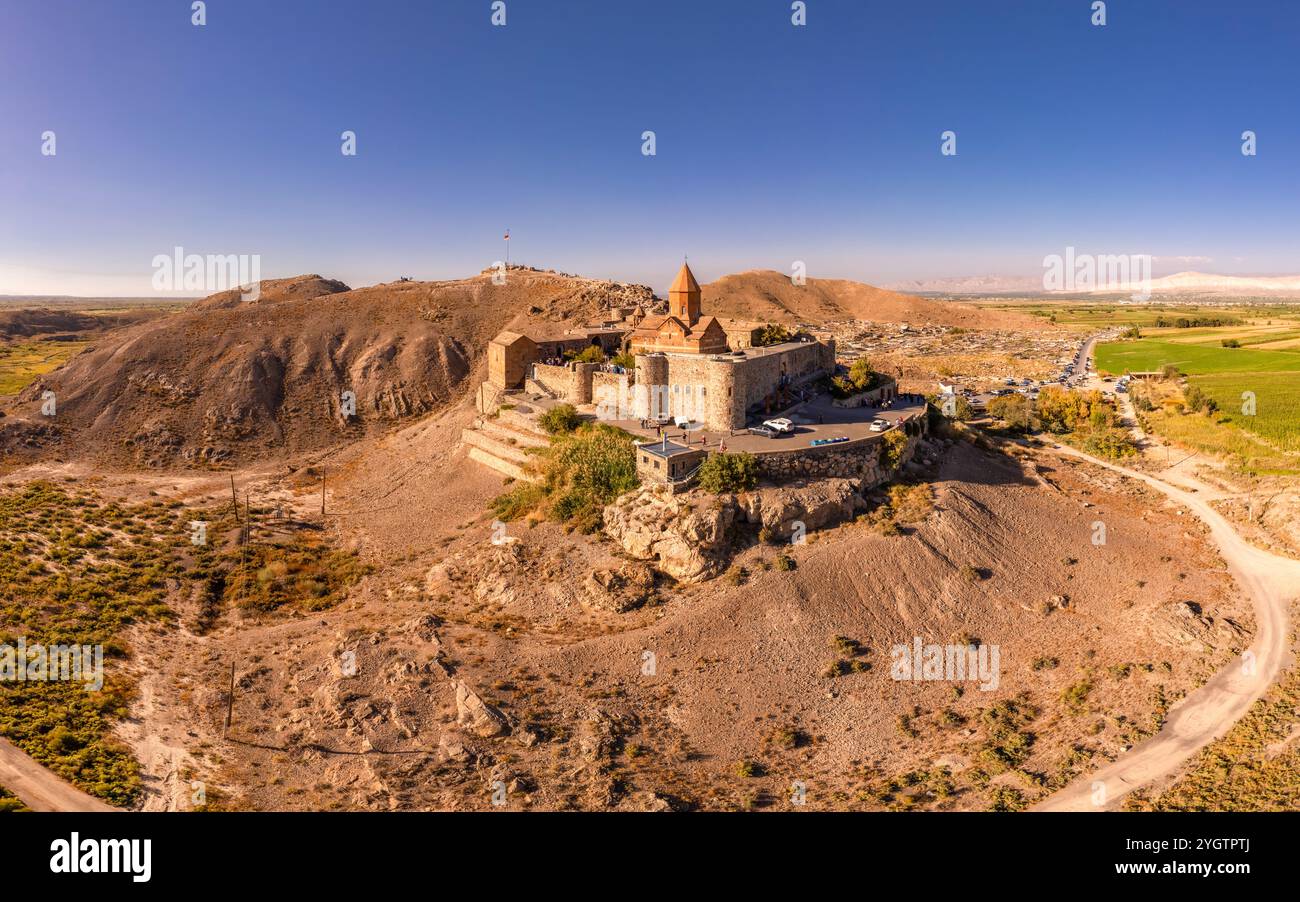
pixel 1126 140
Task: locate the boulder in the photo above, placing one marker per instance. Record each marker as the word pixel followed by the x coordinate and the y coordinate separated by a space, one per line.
pixel 620 590
pixel 477 716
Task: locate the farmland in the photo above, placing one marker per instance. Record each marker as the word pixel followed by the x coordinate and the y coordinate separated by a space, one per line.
pixel 1091 315
pixel 1256 391
pixel 22 362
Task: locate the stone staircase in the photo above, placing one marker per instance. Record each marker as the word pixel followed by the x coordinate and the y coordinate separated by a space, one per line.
pixel 501 443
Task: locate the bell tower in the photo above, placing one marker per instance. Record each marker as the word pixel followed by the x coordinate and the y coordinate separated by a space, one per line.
pixel 684 297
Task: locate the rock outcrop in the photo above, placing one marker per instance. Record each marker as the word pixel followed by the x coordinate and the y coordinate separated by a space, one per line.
pixel 686 536
pixel 690 536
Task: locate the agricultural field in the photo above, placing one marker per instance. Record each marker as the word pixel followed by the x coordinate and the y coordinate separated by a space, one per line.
pixel 1256 393
pixel 1148 355
pixel 1096 315
pixel 21 362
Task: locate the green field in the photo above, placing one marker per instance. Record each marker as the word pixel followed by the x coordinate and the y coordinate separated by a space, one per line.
pixel 1149 355
pixel 1228 375
pixel 22 362
pixel 1092 315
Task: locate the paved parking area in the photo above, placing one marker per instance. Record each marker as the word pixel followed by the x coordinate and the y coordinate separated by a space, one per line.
pixel 816 419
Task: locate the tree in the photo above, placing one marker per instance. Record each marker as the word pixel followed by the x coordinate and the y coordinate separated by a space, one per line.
pixel 728 473
pixel 1016 411
pixel 772 334
pixel 891 449
pixel 589 354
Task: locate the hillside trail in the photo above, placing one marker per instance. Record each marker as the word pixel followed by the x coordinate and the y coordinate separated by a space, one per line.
pixel 1272 582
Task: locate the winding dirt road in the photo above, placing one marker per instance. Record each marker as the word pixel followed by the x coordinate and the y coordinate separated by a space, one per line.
pixel 40 789
pixel 1271 582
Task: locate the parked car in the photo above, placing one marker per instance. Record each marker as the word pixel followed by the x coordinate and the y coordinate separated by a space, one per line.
pixel 879 425
pixel 780 424
pixel 765 431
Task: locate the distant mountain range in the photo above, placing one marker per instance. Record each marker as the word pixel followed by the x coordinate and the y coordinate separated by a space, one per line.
pixel 1178 283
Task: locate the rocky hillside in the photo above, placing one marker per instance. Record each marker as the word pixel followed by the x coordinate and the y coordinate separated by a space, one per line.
pixel 227 379
pixel 770 296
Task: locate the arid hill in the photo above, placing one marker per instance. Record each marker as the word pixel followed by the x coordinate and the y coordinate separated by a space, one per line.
pixel 229 379
pixel 769 296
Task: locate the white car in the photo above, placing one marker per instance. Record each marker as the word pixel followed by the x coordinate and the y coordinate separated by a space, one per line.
pixel 781 424
pixel 879 425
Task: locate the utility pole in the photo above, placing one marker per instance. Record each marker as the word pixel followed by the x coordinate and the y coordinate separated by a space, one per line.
pixel 234 499
pixel 230 700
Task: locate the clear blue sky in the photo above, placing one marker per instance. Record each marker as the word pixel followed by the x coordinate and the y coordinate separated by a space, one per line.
pixel 775 143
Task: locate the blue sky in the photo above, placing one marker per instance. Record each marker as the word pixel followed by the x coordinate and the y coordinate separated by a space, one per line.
pixel 775 143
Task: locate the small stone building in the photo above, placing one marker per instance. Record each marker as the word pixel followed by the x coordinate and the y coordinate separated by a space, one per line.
pixel 509 357
pixel 667 462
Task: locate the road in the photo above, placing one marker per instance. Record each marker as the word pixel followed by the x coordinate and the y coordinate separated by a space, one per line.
pixel 1271 582
pixel 39 788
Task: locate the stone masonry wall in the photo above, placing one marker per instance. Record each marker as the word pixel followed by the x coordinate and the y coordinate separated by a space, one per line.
pixel 852 460
pixel 569 382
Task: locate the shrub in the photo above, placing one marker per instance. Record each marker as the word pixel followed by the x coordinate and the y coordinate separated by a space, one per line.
pixel 728 473
pixel 1076 695
pixel 1114 444
pixel 911 503
pixel 560 419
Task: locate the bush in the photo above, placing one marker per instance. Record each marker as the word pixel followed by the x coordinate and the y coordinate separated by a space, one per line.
pixel 728 473
pixel 1076 696
pixel 1113 444
pixel 560 419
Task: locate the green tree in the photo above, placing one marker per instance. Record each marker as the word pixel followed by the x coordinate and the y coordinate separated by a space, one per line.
pixel 1016 411
pixel 728 473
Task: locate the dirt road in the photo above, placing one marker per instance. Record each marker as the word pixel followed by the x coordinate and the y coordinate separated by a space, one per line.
pixel 40 789
pixel 1206 714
